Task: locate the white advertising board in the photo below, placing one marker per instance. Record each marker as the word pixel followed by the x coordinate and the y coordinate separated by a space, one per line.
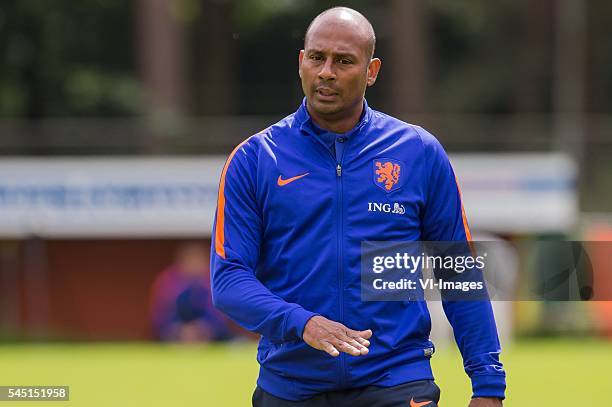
pixel 518 193
pixel 108 197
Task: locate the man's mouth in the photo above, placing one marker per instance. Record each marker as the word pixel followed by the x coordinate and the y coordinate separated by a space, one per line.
pixel 326 93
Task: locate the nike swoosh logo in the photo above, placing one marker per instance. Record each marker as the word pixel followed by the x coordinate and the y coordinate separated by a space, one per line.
pixel 419 404
pixel 282 182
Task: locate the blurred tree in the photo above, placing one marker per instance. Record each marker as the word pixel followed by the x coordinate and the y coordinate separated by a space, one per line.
pixel 569 91
pixel 162 55
pixel 67 58
pixel 214 58
pixel 535 57
pixel 475 46
pixel 599 95
pixel 408 60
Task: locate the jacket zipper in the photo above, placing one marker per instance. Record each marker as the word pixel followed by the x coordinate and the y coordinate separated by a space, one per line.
pixel 339 234
pixel 340 265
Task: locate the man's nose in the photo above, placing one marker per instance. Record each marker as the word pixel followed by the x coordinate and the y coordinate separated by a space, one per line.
pixel 327 71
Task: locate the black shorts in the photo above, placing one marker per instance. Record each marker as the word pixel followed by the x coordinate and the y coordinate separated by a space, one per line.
pixel 422 393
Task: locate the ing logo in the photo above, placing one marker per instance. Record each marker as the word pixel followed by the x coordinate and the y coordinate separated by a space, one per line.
pixel 386 208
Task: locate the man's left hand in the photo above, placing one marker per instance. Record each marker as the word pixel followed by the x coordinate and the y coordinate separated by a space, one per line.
pixel 485 402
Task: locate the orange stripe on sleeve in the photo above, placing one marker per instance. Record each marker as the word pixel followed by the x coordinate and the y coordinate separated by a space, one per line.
pixel 220 224
pixel 465 222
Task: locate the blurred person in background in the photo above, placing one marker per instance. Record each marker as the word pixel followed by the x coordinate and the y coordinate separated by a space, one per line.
pixel 181 305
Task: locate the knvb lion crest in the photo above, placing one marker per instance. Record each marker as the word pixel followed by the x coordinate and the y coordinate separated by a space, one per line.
pixel 387 174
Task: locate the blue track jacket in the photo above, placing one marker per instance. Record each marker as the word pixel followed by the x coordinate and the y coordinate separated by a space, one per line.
pixel 290 220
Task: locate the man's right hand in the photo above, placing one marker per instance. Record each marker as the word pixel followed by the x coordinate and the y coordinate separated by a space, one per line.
pixel 333 337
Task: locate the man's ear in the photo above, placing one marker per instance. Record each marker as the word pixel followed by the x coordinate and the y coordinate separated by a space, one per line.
pixel 373 69
pixel 300 58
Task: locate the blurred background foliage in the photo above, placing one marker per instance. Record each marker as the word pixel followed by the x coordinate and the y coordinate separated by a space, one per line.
pixel 65 58
pixel 85 59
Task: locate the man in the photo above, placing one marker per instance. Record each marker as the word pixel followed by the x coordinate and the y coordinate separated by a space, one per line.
pixel 293 210
pixel 181 307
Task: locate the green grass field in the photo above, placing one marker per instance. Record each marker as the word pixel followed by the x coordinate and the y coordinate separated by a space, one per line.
pixel 541 373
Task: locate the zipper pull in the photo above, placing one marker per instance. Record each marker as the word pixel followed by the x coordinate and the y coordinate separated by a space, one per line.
pixel 339 170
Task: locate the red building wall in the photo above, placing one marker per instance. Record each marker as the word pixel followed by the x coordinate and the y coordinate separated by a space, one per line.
pixel 83 289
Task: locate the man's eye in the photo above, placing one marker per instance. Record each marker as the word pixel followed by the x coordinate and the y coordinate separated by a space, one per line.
pixel 346 61
pixel 316 57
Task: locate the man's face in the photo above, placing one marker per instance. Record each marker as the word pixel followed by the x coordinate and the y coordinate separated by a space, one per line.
pixel 335 68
